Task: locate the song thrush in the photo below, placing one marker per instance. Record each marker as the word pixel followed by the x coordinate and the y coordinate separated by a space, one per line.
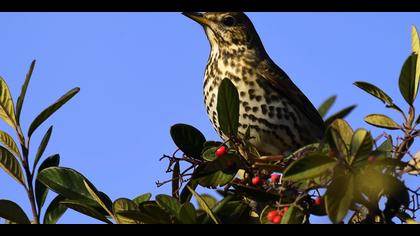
pixel 279 115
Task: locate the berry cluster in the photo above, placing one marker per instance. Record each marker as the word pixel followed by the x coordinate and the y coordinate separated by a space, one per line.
pixel 276 216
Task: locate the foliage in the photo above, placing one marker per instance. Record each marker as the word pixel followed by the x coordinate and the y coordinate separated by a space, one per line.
pixel 334 170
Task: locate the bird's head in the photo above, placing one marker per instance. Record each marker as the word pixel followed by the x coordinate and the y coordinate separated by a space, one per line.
pixel 225 29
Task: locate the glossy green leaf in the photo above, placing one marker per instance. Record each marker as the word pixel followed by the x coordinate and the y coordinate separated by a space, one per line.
pixel 210 144
pixel 408 84
pixel 345 134
pixel 7 109
pixel 228 107
pixel 123 205
pixel 41 190
pixel 142 198
pixel 326 106
pixel 204 206
pixel 186 194
pixel 67 182
pixel 361 145
pixel 382 121
pixel 293 216
pixel 210 200
pixel 12 212
pixel 95 194
pixel 308 167
pixel 176 180
pixel 169 204
pixel 189 139
pixel 11 165
pixel 45 114
pixel 218 178
pixel 187 214
pixel 151 213
pixel 85 209
pixel 375 91
pixel 415 47
pixel 9 143
pixel 42 146
pixel 21 97
pixel 55 210
pixel 210 154
pixel 339 197
pixel 339 115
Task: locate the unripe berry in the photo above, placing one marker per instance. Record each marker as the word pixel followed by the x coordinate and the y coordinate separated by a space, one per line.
pixel 221 151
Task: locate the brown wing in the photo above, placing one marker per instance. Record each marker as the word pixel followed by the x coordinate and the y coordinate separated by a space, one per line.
pixel 284 86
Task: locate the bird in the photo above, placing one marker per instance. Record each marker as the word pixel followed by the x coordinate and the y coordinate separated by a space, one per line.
pixel 277 113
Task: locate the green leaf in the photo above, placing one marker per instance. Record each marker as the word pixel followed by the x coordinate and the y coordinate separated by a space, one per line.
pixel 210 200
pixel 408 83
pixel 41 190
pixel 55 210
pixel 218 178
pixel 97 196
pixel 396 190
pixel 151 213
pixel 10 164
pixel 21 97
pixel 186 194
pixel 382 121
pixel 293 216
pixel 12 212
pixel 45 114
pixel 9 143
pixel 340 114
pixel 122 205
pixel 142 198
pixel 345 134
pixel 361 145
pixel 85 209
pixel 204 206
pixel 228 107
pixel 339 197
pixel 7 109
pixel 326 106
pixel 375 91
pixel 210 154
pixel 308 167
pixel 67 182
pixel 176 180
pixel 415 46
pixel 210 144
pixel 189 139
pixel 187 214
pixel 169 204
pixel 42 146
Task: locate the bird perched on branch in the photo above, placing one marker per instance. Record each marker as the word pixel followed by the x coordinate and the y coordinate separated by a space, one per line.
pixel 278 114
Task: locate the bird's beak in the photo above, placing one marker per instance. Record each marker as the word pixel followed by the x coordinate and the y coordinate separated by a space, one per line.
pixel 197 17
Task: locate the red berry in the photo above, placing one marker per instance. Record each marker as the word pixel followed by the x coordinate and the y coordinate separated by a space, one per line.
pixel 317 201
pixel 277 219
pixel 256 180
pixel 285 209
pixel 371 159
pixel 275 178
pixel 221 151
pixel 271 215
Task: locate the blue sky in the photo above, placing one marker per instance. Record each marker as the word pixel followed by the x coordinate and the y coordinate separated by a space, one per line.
pixel 140 73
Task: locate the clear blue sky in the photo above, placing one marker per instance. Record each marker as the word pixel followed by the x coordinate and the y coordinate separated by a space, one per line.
pixel 140 73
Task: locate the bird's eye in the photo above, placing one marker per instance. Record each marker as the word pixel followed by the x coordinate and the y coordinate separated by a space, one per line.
pixel 228 21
